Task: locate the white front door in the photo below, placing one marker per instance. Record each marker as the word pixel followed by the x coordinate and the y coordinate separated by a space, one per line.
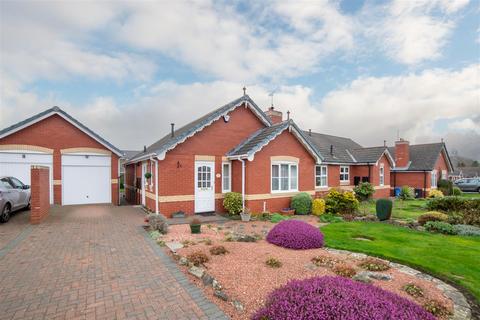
pixel 204 186
pixel 144 182
pixel 86 179
pixel 18 164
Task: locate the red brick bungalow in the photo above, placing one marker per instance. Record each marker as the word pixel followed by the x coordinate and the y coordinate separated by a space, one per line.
pixel 240 148
pixel 420 166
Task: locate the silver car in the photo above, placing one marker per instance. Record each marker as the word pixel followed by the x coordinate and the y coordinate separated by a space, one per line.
pixel 468 184
pixel 14 195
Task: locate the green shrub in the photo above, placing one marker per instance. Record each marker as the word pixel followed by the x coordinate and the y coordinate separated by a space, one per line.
pixel 455 217
pixel 432 216
pixel 466 230
pixel 330 218
pixel 273 263
pixel 439 226
pixel 302 203
pixel 437 308
pixel 342 202
pixel 445 186
pixel 406 193
pixel 364 191
pixel 435 193
pixel 384 209
pixel 456 191
pixel 447 204
pixel 318 207
pixel 275 218
pixel 471 214
pixel 372 264
pixel 233 203
pixel 413 290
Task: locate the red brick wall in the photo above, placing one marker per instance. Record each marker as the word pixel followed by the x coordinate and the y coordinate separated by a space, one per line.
pixel 56 133
pixel 40 193
pixel 258 180
pixel 402 153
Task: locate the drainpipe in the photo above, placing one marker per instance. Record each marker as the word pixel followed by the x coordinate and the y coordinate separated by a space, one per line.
pixel 156 183
pixel 369 174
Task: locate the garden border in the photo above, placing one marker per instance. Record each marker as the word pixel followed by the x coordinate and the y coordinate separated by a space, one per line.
pixel 211 310
pixel 461 308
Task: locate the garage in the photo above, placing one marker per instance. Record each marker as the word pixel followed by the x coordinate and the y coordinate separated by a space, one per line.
pixel 86 179
pixel 17 164
pixel 84 167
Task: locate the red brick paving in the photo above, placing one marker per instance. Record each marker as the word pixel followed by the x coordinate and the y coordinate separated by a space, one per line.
pixel 93 262
pixel 17 223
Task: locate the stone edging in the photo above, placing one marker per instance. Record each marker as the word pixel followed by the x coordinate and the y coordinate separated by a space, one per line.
pixel 211 310
pixel 461 308
pixel 16 241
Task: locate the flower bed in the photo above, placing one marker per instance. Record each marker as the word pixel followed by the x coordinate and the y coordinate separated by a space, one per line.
pixel 337 298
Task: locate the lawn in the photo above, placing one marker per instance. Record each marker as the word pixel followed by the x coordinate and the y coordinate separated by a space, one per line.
pixel 407 209
pixel 453 257
pixel 471 195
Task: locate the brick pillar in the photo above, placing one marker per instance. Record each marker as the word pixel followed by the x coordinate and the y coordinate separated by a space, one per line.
pixel 40 193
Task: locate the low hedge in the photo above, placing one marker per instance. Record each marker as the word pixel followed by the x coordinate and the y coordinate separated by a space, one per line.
pixel 432 216
pixel 468 208
pixel 302 203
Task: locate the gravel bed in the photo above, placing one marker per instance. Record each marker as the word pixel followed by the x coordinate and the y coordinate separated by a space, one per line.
pixel 245 277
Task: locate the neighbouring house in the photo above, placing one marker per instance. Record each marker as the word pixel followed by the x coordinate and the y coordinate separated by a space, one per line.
pixel 127 154
pixel 238 147
pixel 420 166
pixel 83 166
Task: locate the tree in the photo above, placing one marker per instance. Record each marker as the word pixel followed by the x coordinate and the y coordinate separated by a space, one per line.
pixel 475 163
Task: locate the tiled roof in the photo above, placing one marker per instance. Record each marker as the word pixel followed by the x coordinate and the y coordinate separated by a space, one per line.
pixel 168 142
pixel 57 110
pixel 323 143
pixel 368 155
pixel 128 154
pixel 262 137
pixel 422 156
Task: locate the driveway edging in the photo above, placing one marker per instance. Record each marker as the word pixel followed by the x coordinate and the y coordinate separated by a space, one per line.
pixel 16 241
pixel 211 310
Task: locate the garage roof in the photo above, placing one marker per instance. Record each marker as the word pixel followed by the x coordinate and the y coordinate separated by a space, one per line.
pixel 56 110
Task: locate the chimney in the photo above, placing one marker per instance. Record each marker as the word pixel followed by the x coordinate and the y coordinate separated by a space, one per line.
pixel 173 130
pixel 274 115
pixel 310 132
pixel 331 149
pixel 402 153
pixel 144 148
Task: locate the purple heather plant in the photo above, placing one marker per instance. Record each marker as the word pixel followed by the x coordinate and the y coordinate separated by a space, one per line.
pixel 337 298
pixel 295 234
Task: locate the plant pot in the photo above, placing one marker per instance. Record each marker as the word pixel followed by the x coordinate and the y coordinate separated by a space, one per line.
pixel 245 217
pixel 195 228
pixel 287 212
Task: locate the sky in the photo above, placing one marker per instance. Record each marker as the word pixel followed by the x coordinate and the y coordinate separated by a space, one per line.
pixel 368 70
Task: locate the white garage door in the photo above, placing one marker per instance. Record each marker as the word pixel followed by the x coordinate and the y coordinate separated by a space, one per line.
pixel 17 164
pixel 86 179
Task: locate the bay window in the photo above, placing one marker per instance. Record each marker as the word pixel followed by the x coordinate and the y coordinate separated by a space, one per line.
pixel 284 176
pixel 344 174
pixel 321 176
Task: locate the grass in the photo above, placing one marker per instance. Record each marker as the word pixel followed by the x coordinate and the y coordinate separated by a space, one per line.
pixel 471 195
pixel 407 209
pixel 454 257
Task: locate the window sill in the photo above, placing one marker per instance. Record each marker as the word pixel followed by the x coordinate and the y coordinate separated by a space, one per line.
pixel 325 188
pixel 345 183
pixel 286 192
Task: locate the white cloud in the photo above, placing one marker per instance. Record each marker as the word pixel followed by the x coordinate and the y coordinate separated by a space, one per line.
pixel 466 125
pixel 54 41
pixel 413 31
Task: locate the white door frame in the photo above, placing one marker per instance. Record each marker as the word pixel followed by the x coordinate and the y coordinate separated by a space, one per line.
pixel 144 170
pixel 205 194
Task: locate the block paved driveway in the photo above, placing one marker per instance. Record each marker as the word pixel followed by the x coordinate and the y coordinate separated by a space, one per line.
pixel 92 262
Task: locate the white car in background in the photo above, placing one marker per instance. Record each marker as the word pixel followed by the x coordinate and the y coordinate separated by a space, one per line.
pixel 14 195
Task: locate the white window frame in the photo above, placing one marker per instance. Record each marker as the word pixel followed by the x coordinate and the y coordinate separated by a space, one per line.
pixel 345 172
pixel 433 181
pixel 382 175
pixel 444 174
pixel 321 176
pixel 279 163
pixel 228 188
